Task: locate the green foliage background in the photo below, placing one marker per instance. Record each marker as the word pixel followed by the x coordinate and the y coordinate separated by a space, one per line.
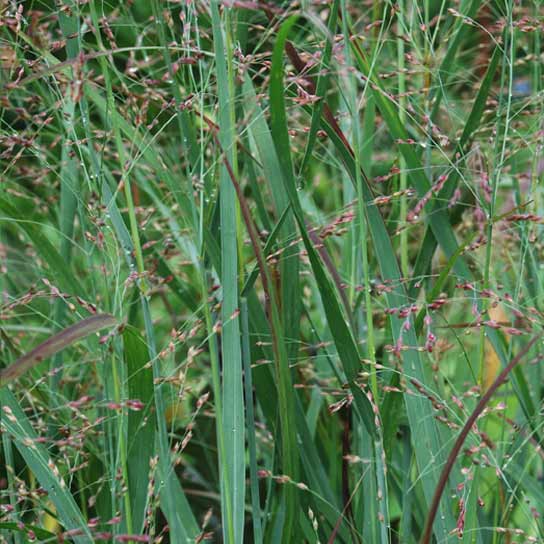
pixel 318 229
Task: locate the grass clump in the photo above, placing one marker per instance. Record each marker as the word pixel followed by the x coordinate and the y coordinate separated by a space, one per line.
pixel 271 272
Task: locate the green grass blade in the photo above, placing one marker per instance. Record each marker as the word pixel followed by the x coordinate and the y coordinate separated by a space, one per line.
pixel 140 428
pixel 426 434
pixel 30 531
pixel 271 240
pixel 39 462
pixel 321 86
pixel 251 434
pixel 343 337
pixel 285 518
pixel 289 263
pixel 460 30
pixel 473 121
pixel 233 428
pixel 174 503
pixel 69 179
pixel 58 272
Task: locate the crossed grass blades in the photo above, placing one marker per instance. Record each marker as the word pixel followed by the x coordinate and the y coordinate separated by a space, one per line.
pixel 272 272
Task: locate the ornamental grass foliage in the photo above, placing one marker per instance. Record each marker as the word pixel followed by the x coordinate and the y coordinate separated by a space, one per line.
pixel 272 272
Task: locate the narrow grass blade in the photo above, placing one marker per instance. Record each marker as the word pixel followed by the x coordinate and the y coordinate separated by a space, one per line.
pixel 323 499
pixel 286 517
pixel 438 220
pixel 467 427
pixel 141 430
pixel 39 462
pixel 251 431
pixel 321 86
pixel 174 503
pixel 271 240
pixel 69 178
pixel 460 29
pixel 7 447
pixel 233 428
pixel 69 182
pixel 59 273
pixel 30 531
pixel 472 124
pixel 343 337
pixel 426 434
pixel 54 344
pixel 289 263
